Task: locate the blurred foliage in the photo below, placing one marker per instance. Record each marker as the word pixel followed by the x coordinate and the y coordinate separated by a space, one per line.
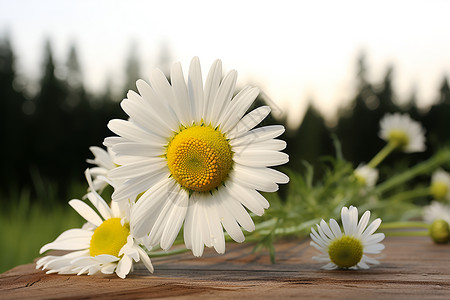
pixel 28 222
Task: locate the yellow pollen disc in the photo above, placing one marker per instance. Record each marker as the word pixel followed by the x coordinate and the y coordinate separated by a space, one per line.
pixel 346 251
pixel 109 238
pixel 399 138
pixel 439 190
pixel 199 158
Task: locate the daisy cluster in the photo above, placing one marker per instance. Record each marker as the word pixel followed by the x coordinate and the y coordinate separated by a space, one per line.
pixel 191 158
pixel 188 156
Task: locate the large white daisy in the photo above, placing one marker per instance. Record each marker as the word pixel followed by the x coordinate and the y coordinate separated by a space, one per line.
pixel 104 244
pixel 403 132
pixel 351 248
pixel 193 157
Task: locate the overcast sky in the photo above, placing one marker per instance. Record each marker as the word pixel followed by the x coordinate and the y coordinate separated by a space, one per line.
pixel 292 50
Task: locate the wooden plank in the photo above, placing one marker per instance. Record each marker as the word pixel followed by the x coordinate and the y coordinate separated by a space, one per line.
pixel 411 267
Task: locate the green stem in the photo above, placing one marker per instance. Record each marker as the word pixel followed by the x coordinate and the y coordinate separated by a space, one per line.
pixel 407 233
pixel 293 229
pixel 377 159
pixel 405 224
pixel 421 168
pixel 407 195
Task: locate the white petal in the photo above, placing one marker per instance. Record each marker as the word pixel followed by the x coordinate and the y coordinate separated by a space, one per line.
pixel 195 231
pixel 211 87
pixel 373 249
pixel 249 198
pixel 371 229
pixel 146 118
pixel 143 167
pixel 132 132
pixel 96 199
pixel 175 219
pixel 224 95
pixel 335 228
pixel 228 220
pixel 260 158
pixel 160 224
pixel 330 266
pixel 273 144
pixel 253 178
pixel 145 259
pixel 181 94
pixel 108 268
pixel 374 238
pixel 238 211
pixel 187 229
pixel 75 233
pixel 106 258
pixel 326 229
pixel 157 106
pixel 131 188
pixel 249 121
pixel 165 92
pixel 71 244
pixel 363 222
pixel 144 212
pixel 86 212
pixel 213 224
pixel 320 248
pixel 124 267
pixel 237 108
pixel 195 90
pixel 140 149
pixel 370 260
pixel 259 134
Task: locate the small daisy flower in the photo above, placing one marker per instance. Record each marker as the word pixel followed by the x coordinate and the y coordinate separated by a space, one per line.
pixel 351 248
pixel 403 132
pixel 366 175
pixel 104 161
pixel 440 185
pixel 435 211
pixel 194 158
pixel 104 244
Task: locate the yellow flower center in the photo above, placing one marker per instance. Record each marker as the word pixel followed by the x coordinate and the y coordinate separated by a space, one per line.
pixel 439 190
pixel 199 158
pixel 109 238
pixel 345 251
pixel 399 138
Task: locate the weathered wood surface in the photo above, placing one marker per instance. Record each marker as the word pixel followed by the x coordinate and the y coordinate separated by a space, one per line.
pixel 412 267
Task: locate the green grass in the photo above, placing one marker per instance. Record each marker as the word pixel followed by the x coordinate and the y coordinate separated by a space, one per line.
pixel 26 224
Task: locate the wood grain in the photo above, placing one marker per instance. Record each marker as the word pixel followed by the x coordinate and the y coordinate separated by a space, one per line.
pixel 411 268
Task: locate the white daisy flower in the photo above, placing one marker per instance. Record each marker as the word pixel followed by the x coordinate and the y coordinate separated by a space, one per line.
pixel 366 175
pixel 104 244
pixel 435 211
pixel 403 132
pixel 440 185
pixel 104 161
pixel 351 248
pixel 195 157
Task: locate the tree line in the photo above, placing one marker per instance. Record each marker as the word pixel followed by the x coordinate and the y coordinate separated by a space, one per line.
pixel 47 133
